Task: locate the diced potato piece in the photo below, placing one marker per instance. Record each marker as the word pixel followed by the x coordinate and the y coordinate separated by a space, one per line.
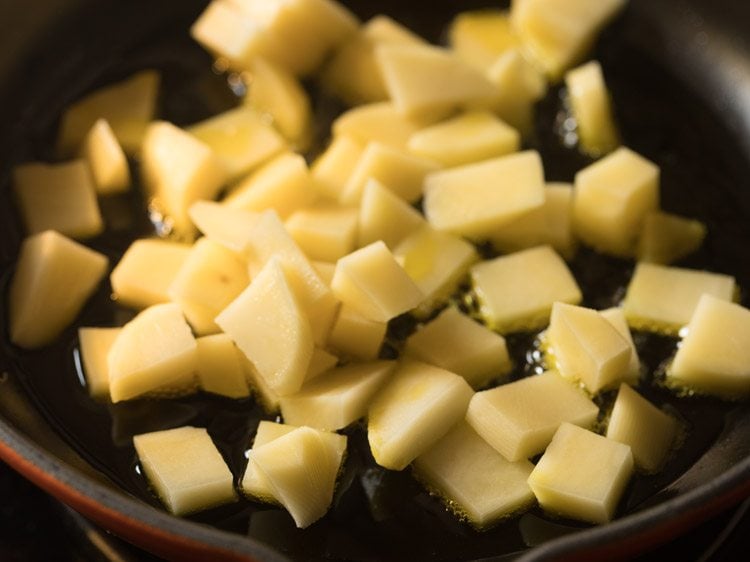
pixel 338 398
pixel 558 33
pixel 94 345
pixel 185 469
pixel 480 37
pixel 591 107
pixel 210 278
pixel 552 224
pixel 324 233
pixel 155 353
pixel 128 106
pixel 57 197
pixel 353 73
pixel 54 278
pixel 473 479
pixel 517 291
pixel 266 396
pixel 613 197
pixel 648 431
pixel 301 469
pixel 519 418
pixel 320 362
pixel 582 475
pixel 371 282
pixel 355 336
pixel 455 342
pixel 143 275
pixel 218 367
pixel 332 169
pixel 380 122
pixel 666 238
pixel 109 166
pixel 413 411
pixel 475 199
pixel 284 184
pixel 178 169
pixel 223 224
pixel 383 215
pixel 399 171
pixel 276 92
pixel 587 347
pixel 427 80
pixel 663 299
pixel 240 138
pixel 616 317
pixel 268 324
pixel 325 270
pixel 436 262
pixel 713 357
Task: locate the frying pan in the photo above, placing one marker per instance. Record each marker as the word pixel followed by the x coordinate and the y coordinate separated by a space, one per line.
pixel 679 71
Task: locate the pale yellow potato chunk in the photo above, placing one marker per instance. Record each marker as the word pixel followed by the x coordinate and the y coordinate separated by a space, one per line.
pixel 94 345
pixel 240 138
pixel 284 184
pixel 383 215
pixel 616 317
pixel 371 282
pixel 178 169
pixel 154 354
pixel 53 279
pixel 713 357
pixel 649 432
pixel 128 106
pixel 519 418
pixel 59 197
pixel 325 270
pixel 470 137
pixel 591 107
pixel 455 342
pixel 266 396
pixel 324 233
pixel 106 159
pixel 662 298
pixel 321 362
pixel 144 273
pixel 332 169
pixel 418 405
pixel 399 171
pixel 587 347
pixel 613 197
pixel 475 199
pixel 667 238
pixel 219 368
pixel 353 335
pixel 473 479
pixel 480 37
pixel 209 279
pixel 380 122
pixel 582 475
pixel 226 225
pixel 437 262
pixel 339 397
pixel 559 33
pixel 185 469
pixel 516 292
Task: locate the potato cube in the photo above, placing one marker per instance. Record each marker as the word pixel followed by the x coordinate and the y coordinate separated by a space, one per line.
pixel 154 354
pixel 332 169
pixel 480 37
pixel 185 469
pixel 325 270
pixel 106 159
pixel 713 357
pixel 240 138
pixel 455 342
pixel 355 336
pixel 223 224
pixel 473 479
pixel 648 431
pixel 324 233
pixel 519 418
pixel 613 197
pixel 337 398
pixel 616 317
pixel 666 238
pixel 54 278
pixel 582 475
pixel 266 396
pixel 320 362
pixel 94 345
pixel 144 273
pixel 218 367
pixel 516 292
pixel 58 197
pixel 418 405
pixel 661 298
pixel 378 122
pixel 383 215
pixel 371 282
pixel 476 199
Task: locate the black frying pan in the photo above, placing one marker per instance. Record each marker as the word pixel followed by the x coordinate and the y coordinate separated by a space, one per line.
pixel 680 77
